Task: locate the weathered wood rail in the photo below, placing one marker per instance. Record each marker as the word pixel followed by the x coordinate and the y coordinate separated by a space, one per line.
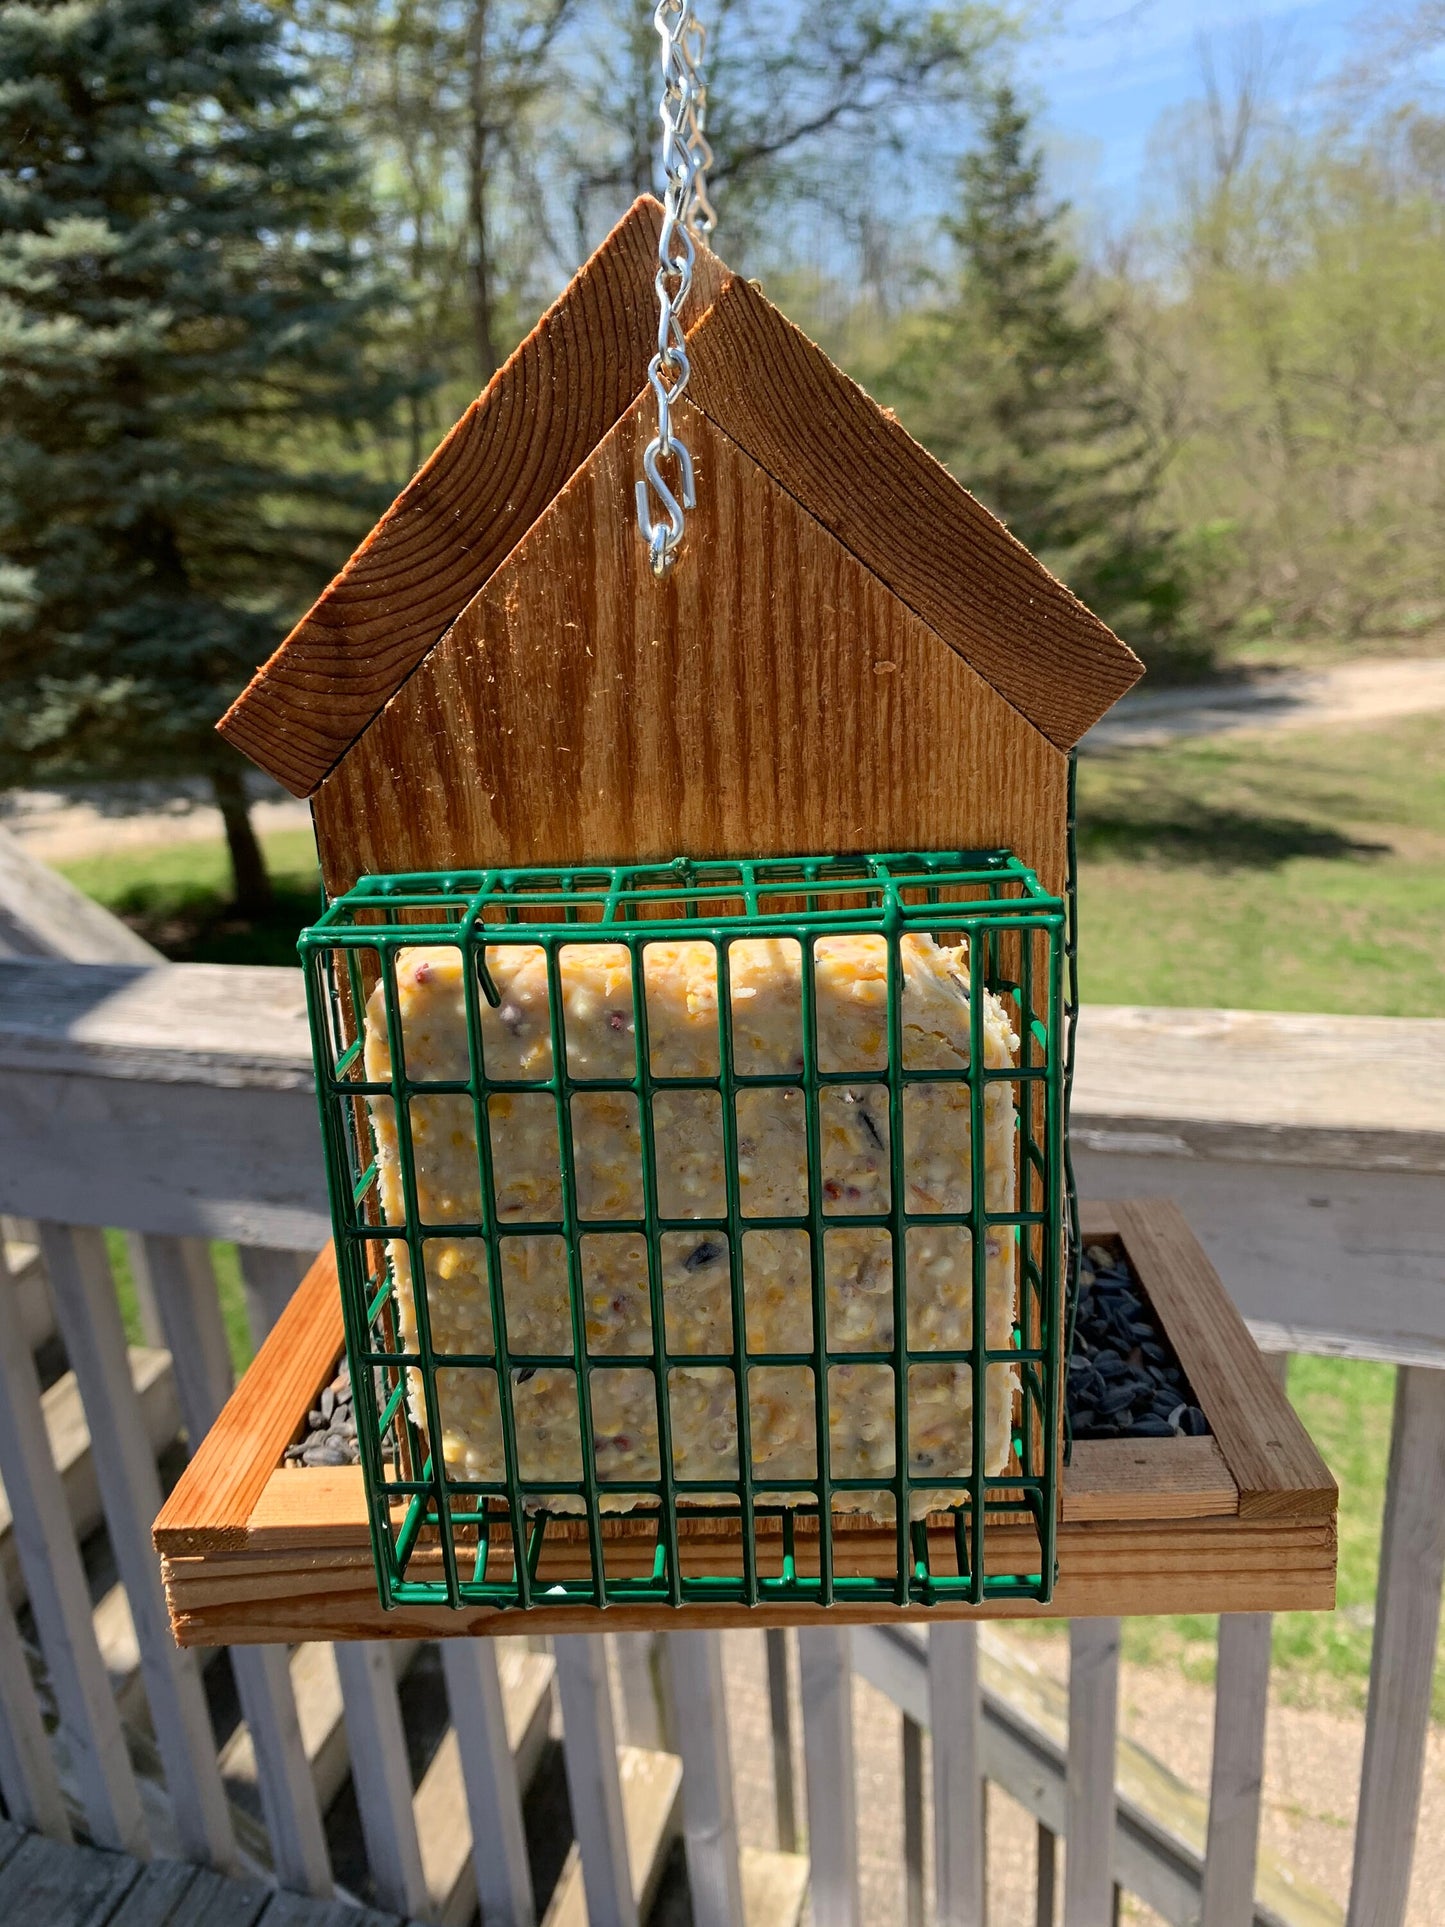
pixel 175 1102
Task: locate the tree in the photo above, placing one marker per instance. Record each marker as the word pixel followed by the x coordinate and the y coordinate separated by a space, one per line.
pixel 506 136
pixel 1012 381
pixel 182 335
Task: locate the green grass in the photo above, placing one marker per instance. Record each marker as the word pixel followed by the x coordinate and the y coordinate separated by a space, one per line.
pixel 178 896
pixel 1287 872
pixel 227 1264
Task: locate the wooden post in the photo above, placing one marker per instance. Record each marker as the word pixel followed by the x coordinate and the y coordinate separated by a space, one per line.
pixel 912 1737
pixel 28 1778
pixel 589 1744
pixel 182 1284
pixel 494 1800
pixel 268 1279
pixel 1047 1877
pixel 644 1710
pixel 1402 1664
pixel 380 1774
pixel 780 1719
pixel 60 1602
pixel 80 1278
pixel 709 1824
pixel 958 1846
pixel 1093 1732
pixel 826 1666
pixel 1236 1781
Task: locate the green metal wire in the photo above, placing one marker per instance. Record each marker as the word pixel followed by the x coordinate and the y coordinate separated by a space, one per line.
pixel 988 898
pixel 1074 1248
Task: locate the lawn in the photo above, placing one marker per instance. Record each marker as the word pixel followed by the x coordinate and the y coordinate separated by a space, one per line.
pixel 176 894
pixel 1289 872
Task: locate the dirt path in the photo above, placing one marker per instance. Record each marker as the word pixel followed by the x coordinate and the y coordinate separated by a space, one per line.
pixel 1348 694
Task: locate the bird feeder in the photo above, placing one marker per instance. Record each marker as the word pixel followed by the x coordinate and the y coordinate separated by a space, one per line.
pixel 691 1023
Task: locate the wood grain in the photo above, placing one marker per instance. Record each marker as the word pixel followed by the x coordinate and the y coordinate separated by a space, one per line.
pixel 539 417
pixel 851 464
pixel 1270 1455
pixel 1176 1478
pixel 771 697
pixel 217 1493
pixel 1200 1565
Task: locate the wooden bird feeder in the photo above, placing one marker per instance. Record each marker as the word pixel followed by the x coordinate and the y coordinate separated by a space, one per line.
pixel 831 748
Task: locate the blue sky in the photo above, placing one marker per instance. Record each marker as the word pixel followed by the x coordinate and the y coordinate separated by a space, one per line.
pixel 1106 71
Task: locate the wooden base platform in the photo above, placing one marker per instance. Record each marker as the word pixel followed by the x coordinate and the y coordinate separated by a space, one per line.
pixel 1243 1521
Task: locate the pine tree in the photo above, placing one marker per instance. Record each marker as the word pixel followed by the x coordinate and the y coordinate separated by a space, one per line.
pixel 1013 384
pixel 182 374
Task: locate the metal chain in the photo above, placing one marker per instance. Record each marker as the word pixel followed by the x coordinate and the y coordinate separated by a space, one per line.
pixel 687 218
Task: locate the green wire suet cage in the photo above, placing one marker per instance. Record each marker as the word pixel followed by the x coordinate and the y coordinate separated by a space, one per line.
pixel 449 1528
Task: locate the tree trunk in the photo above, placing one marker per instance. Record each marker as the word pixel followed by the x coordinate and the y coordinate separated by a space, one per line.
pixel 250 883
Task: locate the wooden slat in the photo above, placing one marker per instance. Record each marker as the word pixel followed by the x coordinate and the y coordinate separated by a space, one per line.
pixel 580 711
pixel 78 1268
pixel 269 1278
pixel 297 1910
pixel 1402 1661
pixel 913 1822
pixel 45 1882
pixel 44 915
pixel 826 1668
pixel 959 1861
pixel 514 449
pixel 1178 1478
pixel 183 1287
pixel 28 1779
pixel 641 1679
pixel 780 1726
pixel 709 1822
pixel 1236 1776
pixel 207 1900
pixel 213 1502
pixel 169 1893
pixel 1201 1565
pixel 1269 1454
pixel 1093 1728
pixel 1046 1875
pixel 589 1745
pixel 158 1891
pixel 73 1452
pixel 651 1786
pixel 494 1803
pixel 866 480
pixel 60 1602
pixel 380 1775
pixel 1161 1823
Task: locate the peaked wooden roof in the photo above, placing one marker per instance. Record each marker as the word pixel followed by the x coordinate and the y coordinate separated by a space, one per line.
pixel 847 461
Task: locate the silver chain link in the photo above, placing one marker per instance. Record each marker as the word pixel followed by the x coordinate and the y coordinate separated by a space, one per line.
pixel 687 218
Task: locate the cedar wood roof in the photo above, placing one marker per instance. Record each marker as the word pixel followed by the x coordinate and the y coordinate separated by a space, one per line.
pixel 845 459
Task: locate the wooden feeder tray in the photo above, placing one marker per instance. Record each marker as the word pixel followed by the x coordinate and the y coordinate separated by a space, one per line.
pixel 1244 1520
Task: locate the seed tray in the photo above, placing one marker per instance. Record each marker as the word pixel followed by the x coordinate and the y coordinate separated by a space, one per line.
pixel 1241 1519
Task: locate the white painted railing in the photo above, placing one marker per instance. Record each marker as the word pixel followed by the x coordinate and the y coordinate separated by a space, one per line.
pixel 174 1102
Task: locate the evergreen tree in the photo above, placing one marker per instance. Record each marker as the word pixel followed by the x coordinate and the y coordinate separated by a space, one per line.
pixel 182 334
pixel 1013 384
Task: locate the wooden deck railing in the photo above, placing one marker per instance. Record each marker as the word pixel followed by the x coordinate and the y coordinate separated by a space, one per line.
pixel 174 1102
